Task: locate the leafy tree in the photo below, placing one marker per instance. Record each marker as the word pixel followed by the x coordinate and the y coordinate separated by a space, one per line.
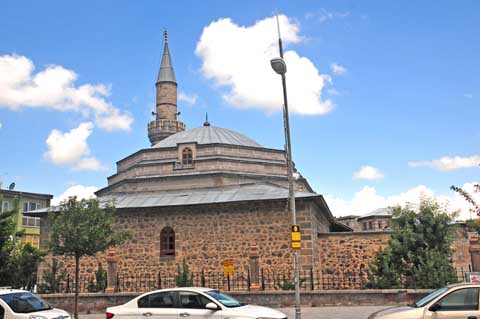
pixel 419 250
pixel 184 278
pixel 7 234
pixel 53 278
pixel 23 265
pixel 100 280
pixel 83 228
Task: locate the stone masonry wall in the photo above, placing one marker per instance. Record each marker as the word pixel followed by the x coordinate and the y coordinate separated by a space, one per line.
pixel 349 252
pixel 206 235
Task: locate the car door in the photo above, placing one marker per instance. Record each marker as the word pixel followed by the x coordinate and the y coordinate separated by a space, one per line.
pixel 157 305
pixel 459 304
pixel 5 312
pixel 192 306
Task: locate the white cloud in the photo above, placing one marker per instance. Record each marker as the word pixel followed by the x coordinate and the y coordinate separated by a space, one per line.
pixel 1 125
pixel 189 99
pixel 82 192
pixel 332 91
pixel 338 69
pixel 238 57
pixel 368 173
pixel 449 163
pixel 54 88
pixel 367 200
pixel 323 15
pixel 71 148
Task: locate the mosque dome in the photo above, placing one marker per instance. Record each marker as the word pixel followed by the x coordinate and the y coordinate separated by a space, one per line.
pixel 207 135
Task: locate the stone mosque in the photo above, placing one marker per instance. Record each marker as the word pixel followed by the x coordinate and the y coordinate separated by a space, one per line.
pixel 210 195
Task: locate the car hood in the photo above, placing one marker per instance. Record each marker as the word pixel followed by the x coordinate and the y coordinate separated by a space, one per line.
pixel 50 314
pixel 400 312
pixel 255 311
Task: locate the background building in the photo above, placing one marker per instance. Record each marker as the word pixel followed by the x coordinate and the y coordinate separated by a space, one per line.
pixel 376 220
pixel 30 225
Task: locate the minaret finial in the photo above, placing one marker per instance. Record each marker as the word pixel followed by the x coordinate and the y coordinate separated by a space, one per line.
pixel 206 120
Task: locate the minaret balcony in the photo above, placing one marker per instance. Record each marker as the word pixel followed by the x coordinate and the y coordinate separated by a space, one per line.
pixel 162 128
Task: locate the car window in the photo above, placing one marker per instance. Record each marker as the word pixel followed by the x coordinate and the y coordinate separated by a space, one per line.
pixel 2 312
pixel 422 302
pixel 225 300
pixel 192 300
pixel 156 300
pixel 24 302
pixel 458 300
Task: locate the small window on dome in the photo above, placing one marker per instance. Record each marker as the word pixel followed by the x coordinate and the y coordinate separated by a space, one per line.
pixel 187 156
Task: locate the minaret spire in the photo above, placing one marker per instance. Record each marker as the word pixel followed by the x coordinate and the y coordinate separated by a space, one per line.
pixel 166 122
pixel 166 74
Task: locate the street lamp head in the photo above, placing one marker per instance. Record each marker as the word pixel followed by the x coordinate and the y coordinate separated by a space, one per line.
pixel 278 65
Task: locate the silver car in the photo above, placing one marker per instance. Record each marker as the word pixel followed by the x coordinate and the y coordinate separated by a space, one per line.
pixel 458 301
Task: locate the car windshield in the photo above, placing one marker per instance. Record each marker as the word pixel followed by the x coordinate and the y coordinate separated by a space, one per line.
pixel 422 302
pixel 225 300
pixel 25 302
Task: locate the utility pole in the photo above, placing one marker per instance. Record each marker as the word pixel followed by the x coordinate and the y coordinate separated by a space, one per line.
pixel 279 66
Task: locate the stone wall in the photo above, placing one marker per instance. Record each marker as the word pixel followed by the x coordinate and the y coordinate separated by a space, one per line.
pixel 461 257
pixel 207 235
pixel 349 252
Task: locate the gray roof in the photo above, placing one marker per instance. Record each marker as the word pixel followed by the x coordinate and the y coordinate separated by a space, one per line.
pixel 207 135
pixel 246 192
pixel 381 212
pixel 166 73
pixel 225 194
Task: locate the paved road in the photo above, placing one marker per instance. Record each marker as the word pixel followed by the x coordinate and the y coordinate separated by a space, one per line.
pixel 307 313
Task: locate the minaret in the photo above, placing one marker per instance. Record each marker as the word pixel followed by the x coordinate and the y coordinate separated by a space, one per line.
pixel 166 113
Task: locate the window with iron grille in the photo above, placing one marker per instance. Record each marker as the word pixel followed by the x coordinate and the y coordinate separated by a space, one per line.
pixel 167 242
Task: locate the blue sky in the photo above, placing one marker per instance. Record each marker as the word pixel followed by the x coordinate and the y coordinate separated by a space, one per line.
pixel 405 89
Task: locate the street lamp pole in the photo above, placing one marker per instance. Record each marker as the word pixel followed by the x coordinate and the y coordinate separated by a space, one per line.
pixel 279 66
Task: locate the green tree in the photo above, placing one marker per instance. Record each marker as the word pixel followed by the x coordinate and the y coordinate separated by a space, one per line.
pixel 23 265
pixel 83 228
pixel 53 277
pixel 100 282
pixel 419 249
pixel 7 241
pixel 184 278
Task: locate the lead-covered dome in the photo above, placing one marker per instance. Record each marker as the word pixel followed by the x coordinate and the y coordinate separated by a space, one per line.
pixel 207 135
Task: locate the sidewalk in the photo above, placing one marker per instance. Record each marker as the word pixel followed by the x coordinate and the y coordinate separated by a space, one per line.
pixel 308 313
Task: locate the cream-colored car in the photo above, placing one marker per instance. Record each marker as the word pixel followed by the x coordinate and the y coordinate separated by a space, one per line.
pixel 458 301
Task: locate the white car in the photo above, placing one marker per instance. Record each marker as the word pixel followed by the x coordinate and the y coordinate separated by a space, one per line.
pixel 21 304
pixel 191 303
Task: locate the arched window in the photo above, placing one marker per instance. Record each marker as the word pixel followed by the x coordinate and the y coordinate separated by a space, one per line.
pixel 167 242
pixel 187 157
